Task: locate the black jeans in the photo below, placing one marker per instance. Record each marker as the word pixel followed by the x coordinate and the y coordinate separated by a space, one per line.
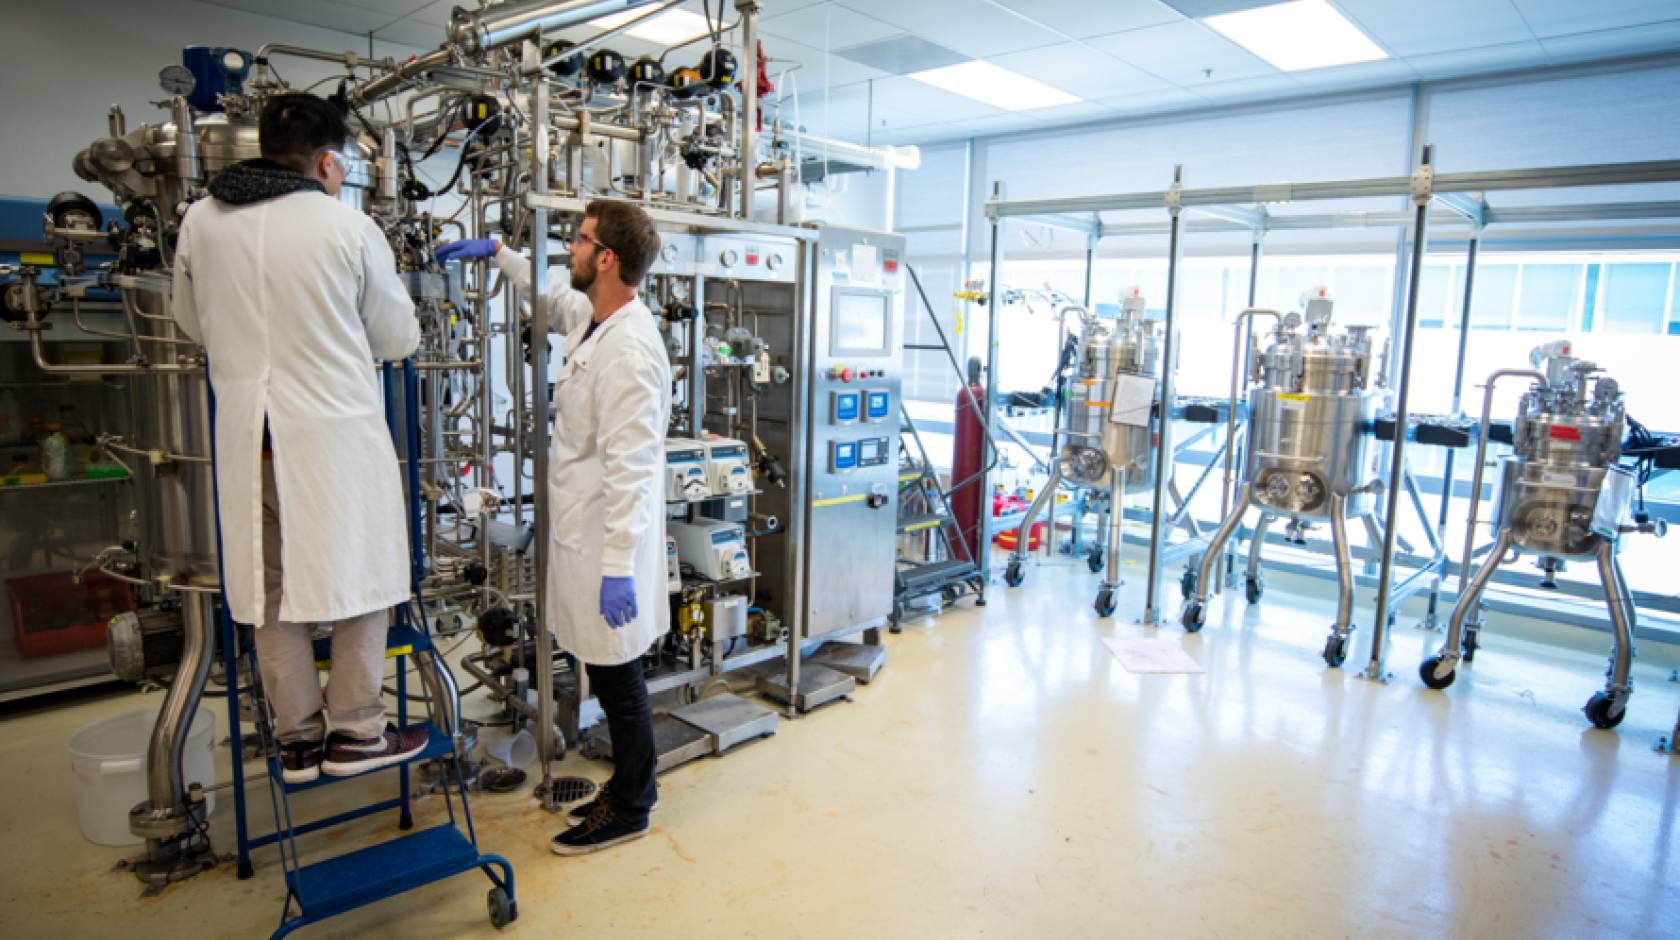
pixel 622 692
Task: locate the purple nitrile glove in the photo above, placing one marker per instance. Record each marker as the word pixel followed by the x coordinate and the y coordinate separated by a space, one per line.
pixel 618 600
pixel 465 249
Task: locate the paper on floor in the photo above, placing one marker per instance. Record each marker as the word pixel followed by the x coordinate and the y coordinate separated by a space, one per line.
pixel 1148 655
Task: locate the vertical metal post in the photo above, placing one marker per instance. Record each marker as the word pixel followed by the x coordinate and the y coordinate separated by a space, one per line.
pixel 990 455
pixel 748 9
pixel 1421 194
pixel 542 671
pixel 1163 448
pixel 1430 618
pixel 1056 424
pixel 1232 458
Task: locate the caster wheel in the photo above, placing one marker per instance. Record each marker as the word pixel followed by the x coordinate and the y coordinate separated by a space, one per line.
pixel 1470 646
pixel 502 909
pixel 1253 588
pixel 1426 672
pixel 1335 651
pixel 1105 604
pixel 1187 583
pixel 1013 575
pixel 1094 561
pixel 1193 617
pixel 1605 710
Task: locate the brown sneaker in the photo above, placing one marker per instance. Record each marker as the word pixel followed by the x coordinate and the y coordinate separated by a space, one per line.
pixel 347 756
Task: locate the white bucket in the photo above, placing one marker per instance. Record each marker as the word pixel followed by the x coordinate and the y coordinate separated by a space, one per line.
pixel 109 760
pixel 512 750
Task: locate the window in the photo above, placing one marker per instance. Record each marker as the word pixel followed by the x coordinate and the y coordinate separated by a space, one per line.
pixel 1492 296
pixel 1634 297
pixel 1551 294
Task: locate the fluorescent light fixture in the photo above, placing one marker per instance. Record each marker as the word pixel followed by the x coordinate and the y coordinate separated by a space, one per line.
pixel 994 85
pixel 666 29
pixel 1296 36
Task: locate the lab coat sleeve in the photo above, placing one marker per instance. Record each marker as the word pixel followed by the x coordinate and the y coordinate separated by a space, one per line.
pixel 387 312
pixel 182 303
pixel 567 308
pixel 632 454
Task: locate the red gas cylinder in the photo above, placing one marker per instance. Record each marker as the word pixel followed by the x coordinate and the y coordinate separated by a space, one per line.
pixel 967 457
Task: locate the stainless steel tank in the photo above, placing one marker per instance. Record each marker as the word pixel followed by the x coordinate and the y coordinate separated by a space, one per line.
pixel 1109 429
pixel 1311 400
pixel 1562 495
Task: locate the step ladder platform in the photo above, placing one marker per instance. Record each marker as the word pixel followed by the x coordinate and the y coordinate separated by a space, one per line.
pixel 935 574
pixel 437 745
pixel 380 871
pixel 400 640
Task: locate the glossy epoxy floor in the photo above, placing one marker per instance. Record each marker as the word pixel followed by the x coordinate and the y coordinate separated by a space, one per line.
pixel 1006 777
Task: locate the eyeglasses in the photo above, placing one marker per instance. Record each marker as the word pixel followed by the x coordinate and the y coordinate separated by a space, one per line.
pixel 582 236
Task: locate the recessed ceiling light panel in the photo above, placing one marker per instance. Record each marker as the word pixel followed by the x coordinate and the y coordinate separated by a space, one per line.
pixel 666 29
pixel 1297 36
pixel 994 85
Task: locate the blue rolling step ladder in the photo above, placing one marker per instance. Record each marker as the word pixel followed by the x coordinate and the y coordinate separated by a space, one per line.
pixel 323 889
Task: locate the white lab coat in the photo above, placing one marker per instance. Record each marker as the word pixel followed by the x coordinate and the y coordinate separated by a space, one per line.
pixel 294 298
pixel 606 489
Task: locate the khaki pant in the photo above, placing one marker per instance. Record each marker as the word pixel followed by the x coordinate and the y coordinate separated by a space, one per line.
pixel 287 657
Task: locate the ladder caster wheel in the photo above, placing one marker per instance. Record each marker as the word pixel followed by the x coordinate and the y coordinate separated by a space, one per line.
pixel 245 871
pixel 1094 561
pixel 1013 575
pixel 1105 603
pixel 1605 710
pixel 1194 615
pixel 1187 583
pixel 1471 645
pixel 503 910
pixel 1335 651
pixel 1253 588
pixel 1426 672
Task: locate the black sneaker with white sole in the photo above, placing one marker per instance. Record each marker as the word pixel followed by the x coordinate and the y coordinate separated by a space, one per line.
pixel 347 756
pixel 577 814
pixel 300 761
pixel 602 829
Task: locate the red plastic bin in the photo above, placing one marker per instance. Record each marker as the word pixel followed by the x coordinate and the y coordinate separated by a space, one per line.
pixel 52 614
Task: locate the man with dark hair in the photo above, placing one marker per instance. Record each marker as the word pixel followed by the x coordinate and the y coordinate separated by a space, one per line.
pixel 606 494
pixel 294 295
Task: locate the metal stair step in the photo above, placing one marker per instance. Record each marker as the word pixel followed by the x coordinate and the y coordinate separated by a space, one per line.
pixel 380 871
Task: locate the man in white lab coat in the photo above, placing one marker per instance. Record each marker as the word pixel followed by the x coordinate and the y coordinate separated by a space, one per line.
pixel 294 295
pixel 607 600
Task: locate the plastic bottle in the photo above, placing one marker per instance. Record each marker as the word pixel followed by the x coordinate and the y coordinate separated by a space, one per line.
pixel 55 453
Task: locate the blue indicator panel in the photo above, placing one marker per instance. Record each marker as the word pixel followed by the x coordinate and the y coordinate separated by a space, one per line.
pixel 876 405
pixel 842 455
pixel 845 407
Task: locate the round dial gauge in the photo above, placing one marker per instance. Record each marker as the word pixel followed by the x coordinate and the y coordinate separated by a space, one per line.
pixel 177 80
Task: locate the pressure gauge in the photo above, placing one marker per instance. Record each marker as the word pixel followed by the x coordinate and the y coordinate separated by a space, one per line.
pixel 177 80
pixel 774 262
pixel 729 257
pixel 669 253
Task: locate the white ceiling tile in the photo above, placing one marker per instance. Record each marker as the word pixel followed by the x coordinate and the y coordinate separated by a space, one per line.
pixel 1513 55
pixel 1356 76
pixel 1152 102
pixel 817 70
pixel 970 27
pixel 414 33
pixel 1078 69
pixel 1417 27
pixel 1083 18
pixel 322 13
pixel 1181 53
pixel 435 13
pixel 1256 88
pixel 1629 40
pixel 1560 17
pixel 825 26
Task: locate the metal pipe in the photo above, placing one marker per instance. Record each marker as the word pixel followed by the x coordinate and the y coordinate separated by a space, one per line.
pixel 186 144
pixel 166 792
pixel 1402 415
pixel 1228 489
pixel 493 27
pixel 748 168
pixel 539 432
pixel 1163 451
pixel 1457 409
pixel 986 421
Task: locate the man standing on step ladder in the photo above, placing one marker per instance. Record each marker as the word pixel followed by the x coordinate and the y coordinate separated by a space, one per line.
pixel 294 294
pixel 606 493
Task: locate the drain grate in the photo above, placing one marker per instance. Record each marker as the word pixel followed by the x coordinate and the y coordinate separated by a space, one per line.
pixel 573 789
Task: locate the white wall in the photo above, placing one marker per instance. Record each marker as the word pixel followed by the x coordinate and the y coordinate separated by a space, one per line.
pixel 68 61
